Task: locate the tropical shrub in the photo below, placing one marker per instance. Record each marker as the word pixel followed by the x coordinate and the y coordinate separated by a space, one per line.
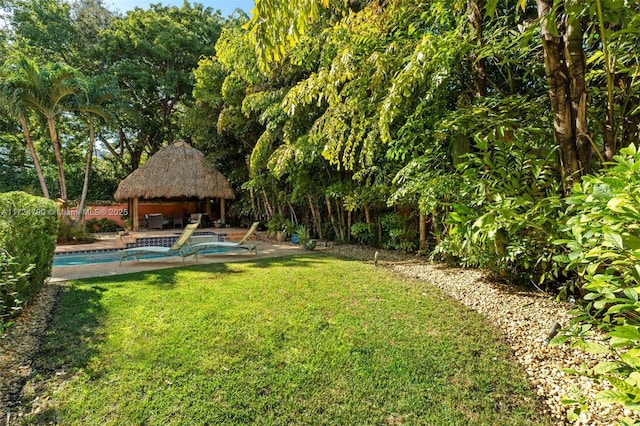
pixel 399 234
pixel 73 233
pixel 102 225
pixel 28 227
pixel 507 210
pixel 276 223
pixel 10 279
pixel 304 237
pixel 603 243
pixel 363 233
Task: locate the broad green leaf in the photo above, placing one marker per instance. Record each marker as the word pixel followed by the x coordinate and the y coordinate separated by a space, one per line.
pixel 612 397
pixel 631 358
pixel 605 367
pixel 631 294
pixel 456 217
pixel 599 304
pixel 631 241
pixel 592 296
pixel 626 332
pixel 572 415
pixel 592 347
pixel 559 339
pixel 617 203
pixel 616 309
pixel 623 386
pixel 614 239
pixel 490 8
pixel 634 377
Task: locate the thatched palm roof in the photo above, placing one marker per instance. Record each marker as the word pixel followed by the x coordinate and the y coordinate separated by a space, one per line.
pixel 176 171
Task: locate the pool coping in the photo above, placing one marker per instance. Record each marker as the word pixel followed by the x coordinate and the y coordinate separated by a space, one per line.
pixel 266 249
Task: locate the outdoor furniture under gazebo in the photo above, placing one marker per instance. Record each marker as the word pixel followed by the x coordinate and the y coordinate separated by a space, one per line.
pixel 177 171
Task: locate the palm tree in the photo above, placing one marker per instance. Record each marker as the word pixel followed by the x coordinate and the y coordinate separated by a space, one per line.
pixel 45 90
pixel 12 95
pixel 91 103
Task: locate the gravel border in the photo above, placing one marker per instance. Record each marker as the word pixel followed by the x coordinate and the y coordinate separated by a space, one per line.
pixel 523 316
pixel 19 345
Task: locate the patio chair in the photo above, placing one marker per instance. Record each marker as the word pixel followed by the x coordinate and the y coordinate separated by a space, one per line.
pixel 195 218
pixel 181 247
pixel 157 221
pixel 242 244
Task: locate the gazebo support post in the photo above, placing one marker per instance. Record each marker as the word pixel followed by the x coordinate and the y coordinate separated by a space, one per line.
pixel 207 208
pixel 222 210
pixel 135 222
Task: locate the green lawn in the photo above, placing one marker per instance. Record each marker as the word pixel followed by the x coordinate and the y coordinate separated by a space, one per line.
pixel 296 340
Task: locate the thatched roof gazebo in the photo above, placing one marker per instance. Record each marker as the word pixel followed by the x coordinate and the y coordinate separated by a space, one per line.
pixel 176 171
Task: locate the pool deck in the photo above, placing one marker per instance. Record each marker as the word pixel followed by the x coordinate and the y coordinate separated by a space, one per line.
pixel 266 249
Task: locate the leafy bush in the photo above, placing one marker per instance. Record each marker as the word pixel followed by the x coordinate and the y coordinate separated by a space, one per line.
pixel 73 233
pixel 102 225
pixel 508 210
pixel 363 232
pixel 304 237
pixel 328 231
pixel 28 228
pixel 276 223
pixel 399 233
pixel 603 242
pixel 10 279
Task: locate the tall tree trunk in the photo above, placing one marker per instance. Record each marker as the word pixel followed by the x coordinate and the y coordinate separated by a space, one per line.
pixel 58 154
pixel 267 204
pixel 367 214
pixel 423 232
pixel 87 171
pixel 332 218
pixel 136 155
pixel 578 90
pixel 34 156
pixel 254 205
pixel 474 10
pixel 292 214
pixel 572 154
pixel 341 217
pixel 315 216
pixel 609 136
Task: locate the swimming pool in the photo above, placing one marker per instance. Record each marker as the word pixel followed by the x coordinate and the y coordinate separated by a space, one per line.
pixel 85 258
pixel 89 257
pixel 107 256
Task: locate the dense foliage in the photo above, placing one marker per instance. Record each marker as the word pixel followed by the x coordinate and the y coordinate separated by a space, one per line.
pixel 602 247
pixel 28 227
pixel 468 130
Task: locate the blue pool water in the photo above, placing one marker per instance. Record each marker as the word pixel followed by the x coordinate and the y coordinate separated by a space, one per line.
pixel 105 256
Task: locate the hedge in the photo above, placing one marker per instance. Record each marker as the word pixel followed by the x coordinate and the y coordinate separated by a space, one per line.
pixel 28 228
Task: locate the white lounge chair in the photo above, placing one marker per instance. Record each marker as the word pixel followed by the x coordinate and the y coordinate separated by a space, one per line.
pixel 181 247
pixel 242 244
